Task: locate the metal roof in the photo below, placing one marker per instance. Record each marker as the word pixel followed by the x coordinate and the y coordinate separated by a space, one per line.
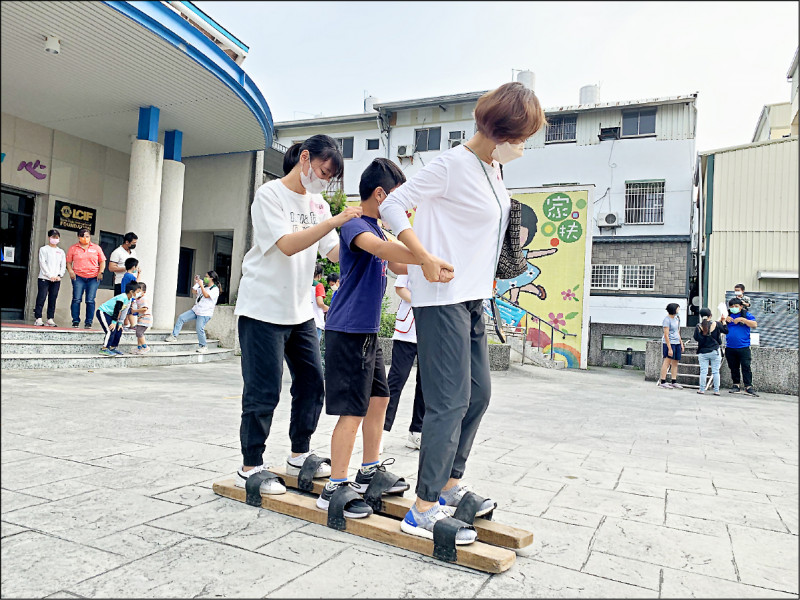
pixel 356 118
pixel 119 56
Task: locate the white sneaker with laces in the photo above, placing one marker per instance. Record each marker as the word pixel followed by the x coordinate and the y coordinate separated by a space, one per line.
pixel 271 486
pixel 51 323
pixel 414 440
pixel 38 323
pixel 294 464
pixel 202 349
pixel 170 338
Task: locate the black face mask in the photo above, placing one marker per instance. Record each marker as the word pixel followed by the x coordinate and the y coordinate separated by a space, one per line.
pixel 132 246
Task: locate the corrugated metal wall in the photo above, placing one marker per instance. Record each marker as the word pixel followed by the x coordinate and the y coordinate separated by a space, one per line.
pixel 589 124
pixel 676 121
pixel 755 218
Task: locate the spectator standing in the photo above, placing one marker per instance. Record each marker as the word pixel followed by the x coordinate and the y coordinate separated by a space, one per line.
pixel 116 262
pixel 52 266
pixel 708 334
pixel 131 274
pixel 671 346
pixel 207 290
pixel 737 346
pixel 318 305
pixel 333 284
pixel 85 263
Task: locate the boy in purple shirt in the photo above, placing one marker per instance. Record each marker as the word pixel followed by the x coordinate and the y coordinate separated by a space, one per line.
pixel 355 377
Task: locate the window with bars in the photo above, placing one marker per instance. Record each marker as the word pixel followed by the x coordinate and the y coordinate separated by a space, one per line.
pixel 644 202
pixel 624 277
pixel 605 276
pixel 561 129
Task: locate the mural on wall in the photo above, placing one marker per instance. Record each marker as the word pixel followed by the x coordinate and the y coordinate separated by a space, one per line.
pixel 554 239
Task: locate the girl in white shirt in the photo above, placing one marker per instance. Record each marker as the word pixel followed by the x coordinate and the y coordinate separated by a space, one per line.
pixel 52 266
pixel 207 293
pixel 291 223
pixel 462 215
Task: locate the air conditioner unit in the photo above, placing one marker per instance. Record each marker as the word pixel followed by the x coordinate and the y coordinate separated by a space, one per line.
pixel 609 133
pixel 609 220
pixel 456 138
pixel 405 151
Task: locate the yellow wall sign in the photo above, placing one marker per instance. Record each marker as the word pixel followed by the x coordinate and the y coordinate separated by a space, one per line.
pixel 556 237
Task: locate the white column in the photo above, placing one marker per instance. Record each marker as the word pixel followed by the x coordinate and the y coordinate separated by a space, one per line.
pixel 144 200
pixel 169 244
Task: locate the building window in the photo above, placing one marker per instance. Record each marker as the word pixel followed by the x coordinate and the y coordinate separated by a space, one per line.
pixel 346 146
pixel 638 277
pixel 561 129
pixel 109 242
pixel 644 202
pixel 427 139
pixel 185 263
pixel 639 122
pixel 373 144
pixel 605 277
pixel 624 277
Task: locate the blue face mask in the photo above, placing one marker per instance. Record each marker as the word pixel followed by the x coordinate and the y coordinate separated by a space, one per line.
pixel 735 310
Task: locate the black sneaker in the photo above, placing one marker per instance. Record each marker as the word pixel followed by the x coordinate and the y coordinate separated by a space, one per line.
pixel 363 479
pixel 355 509
pixel 87 325
pixel 750 391
pixel 76 324
pixel 735 390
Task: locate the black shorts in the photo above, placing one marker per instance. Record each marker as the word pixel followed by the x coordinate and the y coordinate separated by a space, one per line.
pixel 354 372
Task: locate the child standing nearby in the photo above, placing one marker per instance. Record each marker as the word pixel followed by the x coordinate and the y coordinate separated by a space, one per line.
pixel 356 388
pixel 131 274
pixel 52 266
pixel 141 308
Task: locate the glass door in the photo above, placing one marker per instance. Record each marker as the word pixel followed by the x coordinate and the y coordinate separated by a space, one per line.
pixel 17 227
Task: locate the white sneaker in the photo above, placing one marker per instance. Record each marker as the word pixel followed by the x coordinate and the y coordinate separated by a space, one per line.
pixel 271 486
pixel 414 440
pixel 293 465
pixel 51 323
pixel 202 349
pixel 170 338
pixel 39 323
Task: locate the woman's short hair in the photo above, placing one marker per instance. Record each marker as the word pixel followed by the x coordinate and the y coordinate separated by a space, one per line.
pixel 53 233
pixel 672 308
pixel 511 112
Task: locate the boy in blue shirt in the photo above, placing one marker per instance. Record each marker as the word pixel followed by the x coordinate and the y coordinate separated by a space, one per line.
pixel 131 274
pixel 111 314
pixel 737 345
pixel 355 378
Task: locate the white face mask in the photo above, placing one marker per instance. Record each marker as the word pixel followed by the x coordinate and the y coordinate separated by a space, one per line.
pixel 312 183
pixel 54 241
pixel 138 295
pixel 506 152
pixel 738 292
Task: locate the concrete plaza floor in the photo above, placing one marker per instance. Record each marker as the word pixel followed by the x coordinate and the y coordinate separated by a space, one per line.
pixel 630 490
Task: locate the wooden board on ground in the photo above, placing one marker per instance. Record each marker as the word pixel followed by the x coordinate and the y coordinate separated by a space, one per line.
pixel 490 532
pixel 478 555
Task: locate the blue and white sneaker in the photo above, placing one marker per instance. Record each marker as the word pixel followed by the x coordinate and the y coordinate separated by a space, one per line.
pixel 421 524
pixel 453 496
pixel 118 352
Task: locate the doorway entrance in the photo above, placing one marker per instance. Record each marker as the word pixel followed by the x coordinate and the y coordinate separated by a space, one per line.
pixel 17 227
pixel 223 249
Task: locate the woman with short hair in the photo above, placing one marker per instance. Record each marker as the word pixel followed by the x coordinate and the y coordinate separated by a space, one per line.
pixel 52 266
pixel 462 215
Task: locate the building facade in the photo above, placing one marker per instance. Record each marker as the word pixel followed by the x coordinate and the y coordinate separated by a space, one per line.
pixel 639 155
pixel 166 136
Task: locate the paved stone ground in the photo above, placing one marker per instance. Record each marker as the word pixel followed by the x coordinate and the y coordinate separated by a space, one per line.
pixel 631 491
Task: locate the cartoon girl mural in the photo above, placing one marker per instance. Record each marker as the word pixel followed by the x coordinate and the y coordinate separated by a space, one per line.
pixel 510 288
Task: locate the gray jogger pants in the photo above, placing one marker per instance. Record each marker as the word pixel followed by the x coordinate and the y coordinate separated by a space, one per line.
pixel 456 385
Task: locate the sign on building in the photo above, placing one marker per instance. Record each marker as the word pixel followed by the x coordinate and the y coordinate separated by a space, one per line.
pixel 73 217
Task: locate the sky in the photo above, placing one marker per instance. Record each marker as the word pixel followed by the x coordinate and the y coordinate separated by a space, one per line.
pixel 312 58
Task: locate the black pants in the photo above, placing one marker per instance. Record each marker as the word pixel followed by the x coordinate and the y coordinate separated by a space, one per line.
pixel 118 291
pixel 48 290
pixel 403 355
pixel 264 347
pixel 740 357
pixel 113 335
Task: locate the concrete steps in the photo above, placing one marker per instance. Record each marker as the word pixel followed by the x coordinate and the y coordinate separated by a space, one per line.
pixel 61 348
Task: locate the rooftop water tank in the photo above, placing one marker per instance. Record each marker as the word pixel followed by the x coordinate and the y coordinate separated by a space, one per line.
pixel 527 78
pixel 590 94
pixel 369 103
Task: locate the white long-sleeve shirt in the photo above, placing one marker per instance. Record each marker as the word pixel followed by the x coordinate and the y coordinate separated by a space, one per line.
pixel 458 219
pixel 52 262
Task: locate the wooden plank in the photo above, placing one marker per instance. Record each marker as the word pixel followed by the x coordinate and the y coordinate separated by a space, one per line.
pixel 478 555
pixel 490 532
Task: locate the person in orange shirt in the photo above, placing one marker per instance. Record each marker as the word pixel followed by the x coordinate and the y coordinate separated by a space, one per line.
pixel 85 264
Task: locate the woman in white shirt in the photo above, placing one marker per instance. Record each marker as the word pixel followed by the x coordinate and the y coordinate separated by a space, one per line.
pixel 291 223
pixel 52 266
pixel 462 215
pixel 207 294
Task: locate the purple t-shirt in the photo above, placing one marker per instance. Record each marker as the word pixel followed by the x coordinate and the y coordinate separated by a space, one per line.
pixel 357 305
